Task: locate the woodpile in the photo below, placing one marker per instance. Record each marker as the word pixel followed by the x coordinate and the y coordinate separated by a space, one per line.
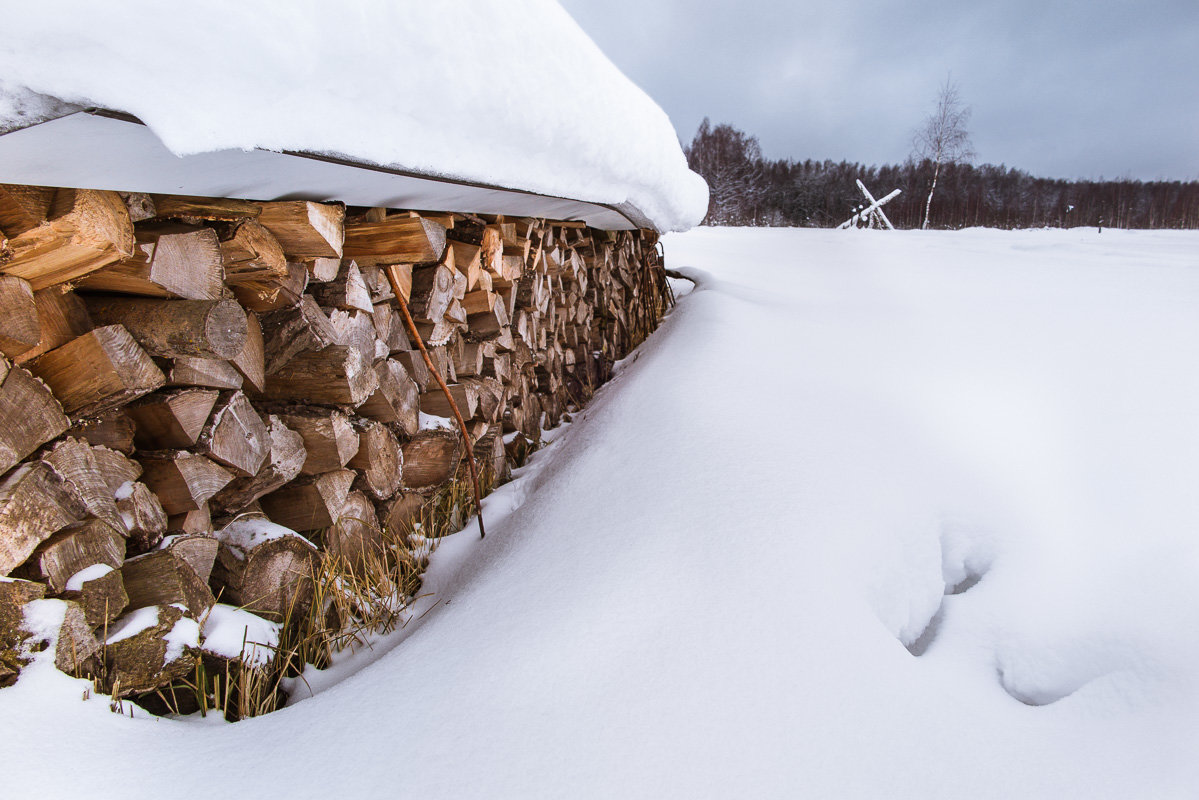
pixel 180 374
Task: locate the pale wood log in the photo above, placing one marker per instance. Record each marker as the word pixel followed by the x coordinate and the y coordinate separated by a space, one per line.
pixel 305 229
pixel 355 538
pixel 397 400
pixel 218 209
pixel 30 413
pixel 435 402
pixel 171 420
pixel 113 429
pixel 321 270
pixel 293 331
pixel 235 435
pixel 161 577
pixel 336 375
pixel 431 458
pixel 468 260
pixel 85 231
pixel 468 360
pixel 94 475
pixel 14 596
pixel 20 330
pixel 377 284
pixel 403 513
pixel 62 317
pixel 389 327
pixel 287 456
pixel 198 550
pixel 491 398
pixel 395 240
pixel 272 293
pixel 176 328
pixel 168 261
pixel 183 481
pixel 23 208
pixel 379 459
pixel 73 549
pixel 432 292
pixel 210 373
pixel 357 329
pixel 347 291
pixel 309 503
pixel 492 250
pixel 76 642
pixel 143 515
pixel 141 662
pixel 251 361
pixel 102 598
pixel 196 521
pixel 251 253
pixel 330 441
pixel 100 370
pixel 479 302
pixel 415 366
pixel 273 579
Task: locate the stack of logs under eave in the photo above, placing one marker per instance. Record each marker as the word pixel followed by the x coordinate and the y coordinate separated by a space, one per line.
pixel 171 364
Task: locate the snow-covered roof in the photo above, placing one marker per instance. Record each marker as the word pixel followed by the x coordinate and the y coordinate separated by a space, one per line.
pixel 502 99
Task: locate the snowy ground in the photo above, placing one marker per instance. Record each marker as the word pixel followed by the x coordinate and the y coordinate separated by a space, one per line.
pixel 873 515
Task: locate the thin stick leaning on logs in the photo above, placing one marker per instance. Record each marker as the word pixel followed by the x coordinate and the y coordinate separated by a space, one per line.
pixel 393 278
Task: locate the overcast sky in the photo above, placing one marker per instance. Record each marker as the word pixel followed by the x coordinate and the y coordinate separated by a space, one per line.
pixel 1060 88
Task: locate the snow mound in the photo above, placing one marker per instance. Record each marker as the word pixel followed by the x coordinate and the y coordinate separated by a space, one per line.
pixel 232 632
pixel 510 94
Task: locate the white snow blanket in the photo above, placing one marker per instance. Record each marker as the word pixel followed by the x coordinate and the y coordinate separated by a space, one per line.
pixel 504 92
pixel 874 514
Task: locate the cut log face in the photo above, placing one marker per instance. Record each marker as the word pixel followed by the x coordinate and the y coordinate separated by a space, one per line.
pixel 309 503
pixel 197 549
pixel 143 515
pixel 304 229
pixel 329 439
pixel 61 316
pixel 102 597
pixel 211 373
pixel 272 293
pixel 175 328
pixel 251 361
pixel 171 420
pixel 161 577
pixel 86 230
pixel 251 254
pixel 235 435
pixel 94 475
pixel 287 457
pixel 23 208
pixel 265 569
pixel 465 397
pixel 288 333
pixel 198 521
pixel 396 400
pixel 168 261
pixel 347 291
pixel 431 459
pixel 355 538
pixel 35 502
pixel 336 375
pixel 403 513
pixel 20 330
pixel 72 550
pixel 31 414
pixel 183 481
pixel 321 270
pixel 395 240
pixel 150 648
pixel 112 429
pixel 379 460
pixel 98 371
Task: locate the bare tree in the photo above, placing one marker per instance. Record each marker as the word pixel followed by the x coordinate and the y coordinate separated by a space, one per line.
pixel 943 138
pixel 731 162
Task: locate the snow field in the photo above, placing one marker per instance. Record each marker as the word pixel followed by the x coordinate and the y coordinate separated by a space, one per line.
pixel 874 514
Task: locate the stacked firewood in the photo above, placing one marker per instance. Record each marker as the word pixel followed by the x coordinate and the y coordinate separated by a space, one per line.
pixel 175 368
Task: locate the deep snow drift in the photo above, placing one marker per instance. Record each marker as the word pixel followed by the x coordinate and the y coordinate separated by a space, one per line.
pixel 874 514
pixel 504 92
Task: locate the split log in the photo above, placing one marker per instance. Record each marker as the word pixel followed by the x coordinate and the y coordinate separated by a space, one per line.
pixel 329 439
pixel 287 456
pixel 479 302
pixel 23 208
pixel 379 460
pixel 210 373
pixel 216 209
pixel 14 596
pixel 150 648
pixel 251 253
pixel 144 517
pixel 305 229
pixel 251 361
pixel 309 503
pixel 72 550
pixel 98 371
pixel 35 502
pixel 465 397
pixel 265 569
pixel 20 330
pixel 139 205
pixel 100 593
pixel 272 293
pixel 160 577
pixel 348 290
pixel 395 240
pixel 336 375
pixel 432 292
pixel 176 328
pixel 414 364
pixel 431 458
pixel 356 329
pixel 288 333
pixel 171 420
pixel 183 481
pixel 321 270
pixel 86 230
pixel 61 317
pixel 389 327
pixel 402 514
pixel 198 550
pixel 197 521
pixel 396 400
pixel 112 429
pixel 235 435
pixel 94 475
pixel 31 414
pixel 355 538
pixel 168 261
pixel 76 644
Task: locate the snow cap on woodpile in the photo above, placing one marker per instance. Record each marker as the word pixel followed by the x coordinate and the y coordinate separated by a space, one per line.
pixel 509 94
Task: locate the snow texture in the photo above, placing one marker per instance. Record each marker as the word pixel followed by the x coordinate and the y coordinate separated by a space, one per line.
pixel 243 535
pixel 512 94
pixel 232 632
pixel 76 581
pixel 874 514
pixel 143 619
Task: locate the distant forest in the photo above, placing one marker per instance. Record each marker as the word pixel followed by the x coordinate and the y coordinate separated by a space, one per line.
pixel 748 189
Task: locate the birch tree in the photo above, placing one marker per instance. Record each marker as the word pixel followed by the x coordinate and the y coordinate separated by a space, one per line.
pixel 943 138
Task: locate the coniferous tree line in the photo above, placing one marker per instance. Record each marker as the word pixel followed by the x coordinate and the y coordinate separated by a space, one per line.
pixel 747 189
